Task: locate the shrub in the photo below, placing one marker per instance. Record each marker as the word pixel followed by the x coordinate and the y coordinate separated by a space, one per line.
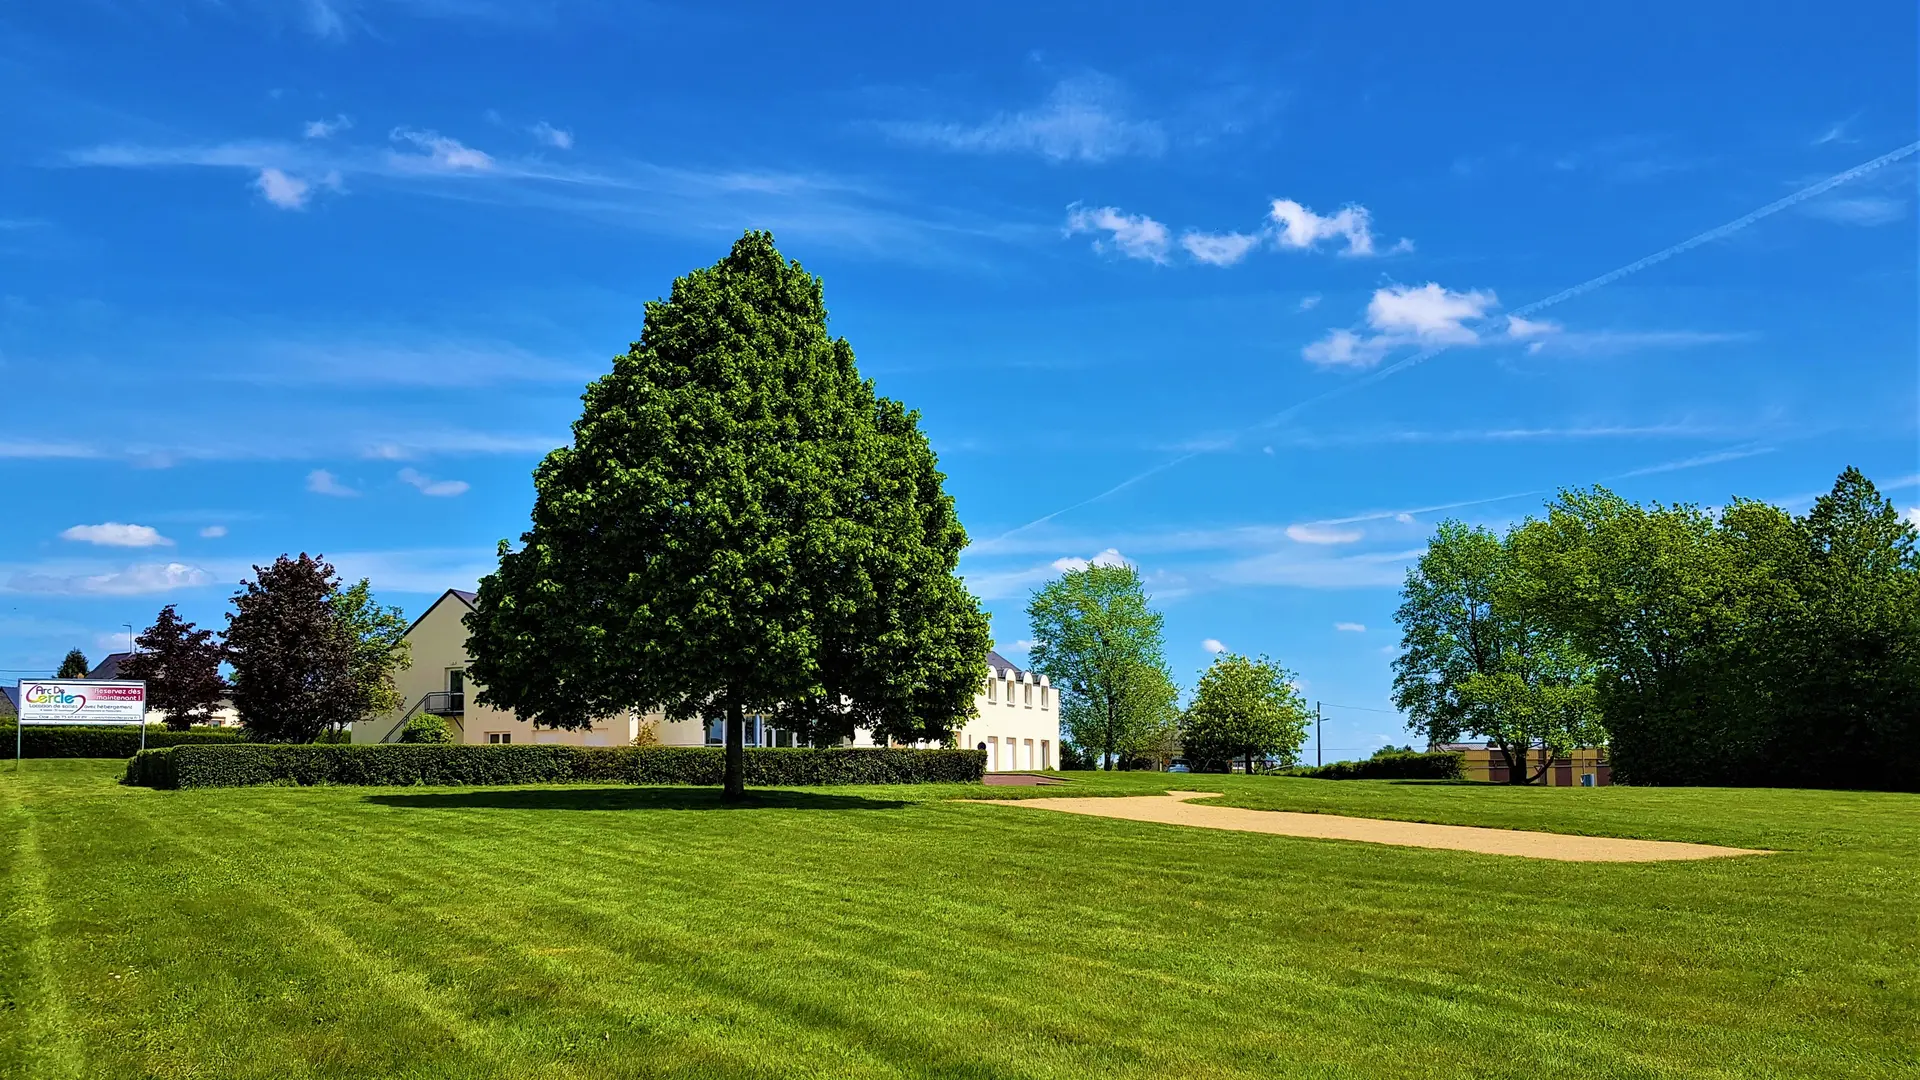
pixel 392 764
pixel 107 742
pixel 1389 764
pixel 426 728
pixel 1073 758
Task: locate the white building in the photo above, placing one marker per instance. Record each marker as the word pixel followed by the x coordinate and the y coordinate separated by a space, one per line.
pixel 1017 719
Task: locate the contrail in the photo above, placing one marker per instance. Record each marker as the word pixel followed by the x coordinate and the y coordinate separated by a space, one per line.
pixel 1560 297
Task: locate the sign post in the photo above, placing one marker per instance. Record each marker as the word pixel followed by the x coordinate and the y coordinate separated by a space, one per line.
pixel 80 703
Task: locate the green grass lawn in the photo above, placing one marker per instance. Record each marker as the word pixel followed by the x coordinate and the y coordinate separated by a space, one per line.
pixel 601 932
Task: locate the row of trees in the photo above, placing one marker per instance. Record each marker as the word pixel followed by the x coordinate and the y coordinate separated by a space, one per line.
pixel 1737 645
pixel 1099 643
pixel 303 655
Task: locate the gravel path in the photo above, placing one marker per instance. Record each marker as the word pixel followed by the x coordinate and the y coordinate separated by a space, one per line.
pixel 1173 808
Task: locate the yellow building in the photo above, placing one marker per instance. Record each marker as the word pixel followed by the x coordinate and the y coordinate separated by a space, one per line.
pixel 1017 713
pixel 1570 770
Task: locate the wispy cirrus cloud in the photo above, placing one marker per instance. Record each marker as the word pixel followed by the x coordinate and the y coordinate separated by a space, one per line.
pixel 548 135
pixel 326 129
pixel 1083 119
pixel 322 482
pixel 426 485
pixel 136 580
pixel 1135 236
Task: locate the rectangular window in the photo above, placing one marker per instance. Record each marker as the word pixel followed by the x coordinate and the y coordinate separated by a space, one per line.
pixel 1043 697
pixel 456 680
pixel 499 737
pixel 1009 693
pixel 993 689
pixel 1029 695
pixel 716 732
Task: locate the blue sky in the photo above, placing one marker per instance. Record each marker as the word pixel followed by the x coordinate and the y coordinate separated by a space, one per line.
pixel 330 276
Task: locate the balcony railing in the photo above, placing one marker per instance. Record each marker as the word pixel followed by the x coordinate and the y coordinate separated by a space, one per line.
pixel 445 704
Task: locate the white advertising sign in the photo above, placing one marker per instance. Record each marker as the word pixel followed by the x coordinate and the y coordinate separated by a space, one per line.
pixel 82 701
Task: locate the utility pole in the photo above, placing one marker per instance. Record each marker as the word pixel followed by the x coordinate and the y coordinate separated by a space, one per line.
pixel 1316 734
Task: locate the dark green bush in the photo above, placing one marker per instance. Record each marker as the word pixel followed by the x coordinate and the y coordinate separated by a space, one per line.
pixel 1389 765
pixel 426 729
pixel 84 742
pixel 395 764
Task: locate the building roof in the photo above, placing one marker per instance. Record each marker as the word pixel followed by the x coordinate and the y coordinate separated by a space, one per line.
pixel 109 668
pixel 12 694
pixel 1001 663
pixel 471 598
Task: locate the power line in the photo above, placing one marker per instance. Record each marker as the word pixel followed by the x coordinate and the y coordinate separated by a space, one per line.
pixel 1361 708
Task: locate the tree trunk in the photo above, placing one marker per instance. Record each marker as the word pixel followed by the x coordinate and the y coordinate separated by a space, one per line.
pixel 1110 764
pixel 734 786
pixel 1516 767
pixel 1248 768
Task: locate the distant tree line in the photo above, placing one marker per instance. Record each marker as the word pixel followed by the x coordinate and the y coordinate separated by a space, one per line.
pixel 1098 641
pixel 1741 644
pixel 307 656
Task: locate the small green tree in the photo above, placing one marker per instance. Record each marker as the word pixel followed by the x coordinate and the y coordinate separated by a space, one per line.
pixel 181 665
pixel 1099 644
pixel 75 666
pixel 741 525
pixel 1244 708
pixel 380 648
pixel 292 655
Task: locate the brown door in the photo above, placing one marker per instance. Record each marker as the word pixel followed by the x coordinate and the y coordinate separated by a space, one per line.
pixel 1563 775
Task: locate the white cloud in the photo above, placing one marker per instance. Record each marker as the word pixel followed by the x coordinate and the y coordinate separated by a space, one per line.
pixel 132 581
pixel 322 482
pixel 283 190
pixel 114 534
pixel 1219 249
pixel 1430 313
pixel 1913 516
pixel 430 486
pixel 214 532
pixel 1081 120
pixel 1344 348
pixel 1350 627
pixel 1302 228
pixel 1522 329
pixel 324 20
pixel 438 153
pixel 1309 302
pixel 1213 645
pixel 559 138
pixel 1322 534
pixel 1404 519
pixel 1109 557
pixel 1427 315
pixel 1135 235
pixel 327 129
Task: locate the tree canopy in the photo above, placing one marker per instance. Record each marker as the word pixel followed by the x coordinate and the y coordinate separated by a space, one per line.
pixel 380 647
pixel 1474 664
pixel 741 524
pixel 1243 708
pixel 292 655
pixel 73 666
pixel 1099 644
pixel 181 665
pixel 1736 645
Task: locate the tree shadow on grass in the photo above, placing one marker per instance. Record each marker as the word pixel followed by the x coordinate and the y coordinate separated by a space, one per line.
pixel 638 798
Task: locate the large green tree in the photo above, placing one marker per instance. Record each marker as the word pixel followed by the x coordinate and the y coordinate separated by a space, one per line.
pixel 292 654
pixel 741 525
pixel 1244 708
pixel 181 665
pixel 1099 643
pixel 380 647
pixel 73 666
pixel 1473 663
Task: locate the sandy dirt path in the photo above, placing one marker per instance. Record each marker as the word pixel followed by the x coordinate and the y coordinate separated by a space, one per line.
pixel 1173 808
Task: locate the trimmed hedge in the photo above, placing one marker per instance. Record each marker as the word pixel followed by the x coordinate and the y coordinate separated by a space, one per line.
pixel 395 764
pixel 83 742
pixel 1390 765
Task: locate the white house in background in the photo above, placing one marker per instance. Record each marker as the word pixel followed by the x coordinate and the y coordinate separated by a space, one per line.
pixel 1017 721
pixel 223 714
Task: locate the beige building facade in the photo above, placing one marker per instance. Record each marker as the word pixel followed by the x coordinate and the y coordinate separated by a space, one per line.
pixel 1017 719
